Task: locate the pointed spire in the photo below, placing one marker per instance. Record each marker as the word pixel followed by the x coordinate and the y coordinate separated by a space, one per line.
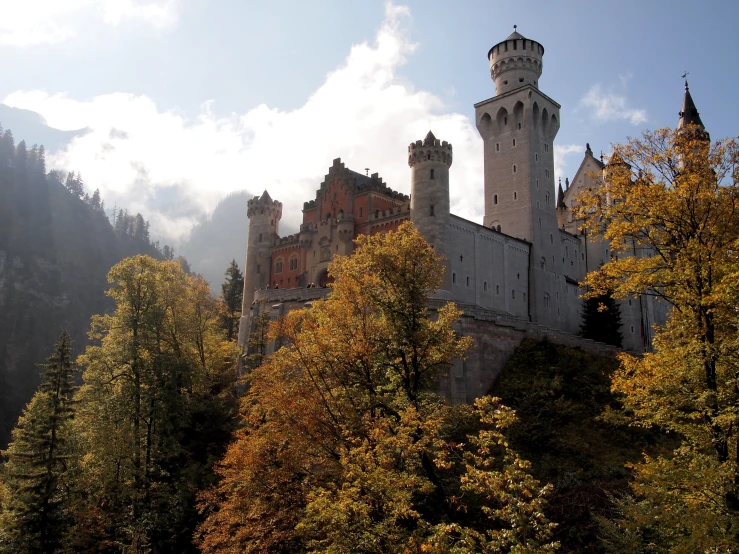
pixel 689 113
pixel 587 149
pixel 265 196
pixel 560 196
pixel 430 139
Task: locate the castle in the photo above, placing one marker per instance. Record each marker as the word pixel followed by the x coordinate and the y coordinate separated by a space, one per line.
pixel 515 275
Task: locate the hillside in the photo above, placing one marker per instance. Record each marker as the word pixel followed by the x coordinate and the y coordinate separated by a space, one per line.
pixel 561 396
pixel 55 252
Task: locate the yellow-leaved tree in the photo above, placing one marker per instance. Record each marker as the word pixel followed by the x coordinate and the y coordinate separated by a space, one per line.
pixel 346 445
pixel 670 209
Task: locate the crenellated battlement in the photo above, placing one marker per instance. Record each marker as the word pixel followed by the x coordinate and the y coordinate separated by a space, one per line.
pixel 515 62
pixel 264 205
pixel 430 150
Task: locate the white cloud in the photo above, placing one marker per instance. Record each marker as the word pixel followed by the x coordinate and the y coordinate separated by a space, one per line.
pixel 560 165
pixel 143 157
pixel 607 105
pixel 31 22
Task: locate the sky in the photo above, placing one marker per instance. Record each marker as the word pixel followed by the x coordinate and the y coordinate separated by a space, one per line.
pixel 188 100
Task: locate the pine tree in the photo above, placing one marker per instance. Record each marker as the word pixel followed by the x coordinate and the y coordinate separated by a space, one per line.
pixel 601 320
pixel 232 292
pixel 34 514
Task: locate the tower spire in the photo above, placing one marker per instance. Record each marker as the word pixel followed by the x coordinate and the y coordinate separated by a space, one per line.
pixel 689 114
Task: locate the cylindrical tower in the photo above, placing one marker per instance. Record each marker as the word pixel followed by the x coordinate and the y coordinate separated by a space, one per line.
pixel 515 62
pixel 430 160
pixel 264 220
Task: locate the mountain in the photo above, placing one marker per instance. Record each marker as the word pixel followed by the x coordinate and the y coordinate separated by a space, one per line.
pixel 55 252
pixel 34 129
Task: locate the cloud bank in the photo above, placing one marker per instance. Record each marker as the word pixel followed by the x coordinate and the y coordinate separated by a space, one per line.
pixel 174 168
pixel 30 22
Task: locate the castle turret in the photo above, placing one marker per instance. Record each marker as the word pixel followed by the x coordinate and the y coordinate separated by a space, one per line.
pixel 689 116
pixel 430 160
pixel 264 219
pixel 515 62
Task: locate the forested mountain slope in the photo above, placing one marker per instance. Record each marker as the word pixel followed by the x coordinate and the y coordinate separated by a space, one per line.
pixel 56 247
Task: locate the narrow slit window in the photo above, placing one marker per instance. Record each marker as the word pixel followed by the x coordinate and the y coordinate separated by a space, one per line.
pixel 431 210
pixel 432 173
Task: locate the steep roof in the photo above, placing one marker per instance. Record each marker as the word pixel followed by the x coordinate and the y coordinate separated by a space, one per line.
pixel 515 35
pixel 689 113
pixel 430 138
pixel 266 196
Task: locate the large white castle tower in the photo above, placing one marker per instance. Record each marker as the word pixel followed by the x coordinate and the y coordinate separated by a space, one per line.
pixel 430 160
pixel 518 126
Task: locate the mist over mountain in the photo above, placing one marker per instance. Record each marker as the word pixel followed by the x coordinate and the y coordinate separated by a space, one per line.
pixel 32 127
pixel 221 238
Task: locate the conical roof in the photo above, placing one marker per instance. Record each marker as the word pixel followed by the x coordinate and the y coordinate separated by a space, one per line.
pixel 265 196
pixel 689 113
pixel 430 138
pixel 515 35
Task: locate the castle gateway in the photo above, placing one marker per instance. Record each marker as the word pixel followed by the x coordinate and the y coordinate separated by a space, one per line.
pixel 515 276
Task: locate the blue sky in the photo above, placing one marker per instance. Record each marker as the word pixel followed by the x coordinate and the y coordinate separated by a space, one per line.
pixel 187 100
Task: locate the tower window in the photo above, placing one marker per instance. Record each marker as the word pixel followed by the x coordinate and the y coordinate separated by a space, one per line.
pixel 520 80
pixel 431 210
pixel 537 204
pixel 260 237
pixel 539 220
pixel 497 289
pixel 454 277
pixel 546 173
pixel 519 125
pixel 293 264
pixel 497 147
pixel 514 168
pixel 432 173
pixel 495 198
pixel 546 148
pixel 485 286
pixel 429 157
pixel 468 281
pixel 513 293
pixel 505 119
pixel 551 239
pixel 278 267
pixel 547 199
pixel 514 141
pixel 515 195
pixel 360 211
pixel 536 157
pixel 546 300
pixel 537 184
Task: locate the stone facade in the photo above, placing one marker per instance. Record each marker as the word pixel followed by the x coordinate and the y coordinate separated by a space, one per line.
pixel 515 276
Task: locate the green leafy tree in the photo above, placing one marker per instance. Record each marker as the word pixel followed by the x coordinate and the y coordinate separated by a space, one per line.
pixel 601 320
pixel 35 511
pixel 232 292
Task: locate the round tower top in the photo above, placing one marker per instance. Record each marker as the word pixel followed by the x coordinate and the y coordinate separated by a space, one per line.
pixel 515 62
pixel 264 205
pixel 430 149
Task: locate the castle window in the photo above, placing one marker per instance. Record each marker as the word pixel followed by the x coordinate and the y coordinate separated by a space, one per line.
pixel 431 210
pixel 515 45
pixel 505 82
pixel 272 222
pixel 629 301
pixel 260 237
pixel 377 213
pixel 537 184
pixel 495 198
pixel 537 205
pixel 546 148
pixel 557 295
pixel 520 80
pixel 485 286
pixel 454 277
pixel 293 264
pixel 515 195
pixel 429 157
pixel 632 328
pixel 505 119
pixel 514 168
pixel 497 147
pixel 513 293
pixel 546 300
pixel 514 143
pixel 432 173
pixel 536 157
pixel 551 239
pixel 278 267
pixel 498 229
pixel 546 173
pixel 497 289
pixel 547 199
pixel 468 281
pixel 567 250
pixel 360 211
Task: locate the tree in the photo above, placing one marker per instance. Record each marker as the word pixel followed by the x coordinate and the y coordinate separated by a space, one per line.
pixel 74 184
pixel 232 292
pixel 345 446
pixel 673 203
pixel 157 408
pixel 601 320
pixel 35 508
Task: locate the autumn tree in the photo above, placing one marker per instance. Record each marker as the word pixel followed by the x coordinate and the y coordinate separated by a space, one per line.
pixel 669 209
pixel 232 291
pixel 35 510
pixel 156 409
pixel 346 446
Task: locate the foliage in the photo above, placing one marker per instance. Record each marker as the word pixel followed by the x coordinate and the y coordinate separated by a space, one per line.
pixel 232 292
pixel 35 503
pixel 568 427
pixel 345 446
pixel 156 408
pixel 601 320
pixel 675 204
